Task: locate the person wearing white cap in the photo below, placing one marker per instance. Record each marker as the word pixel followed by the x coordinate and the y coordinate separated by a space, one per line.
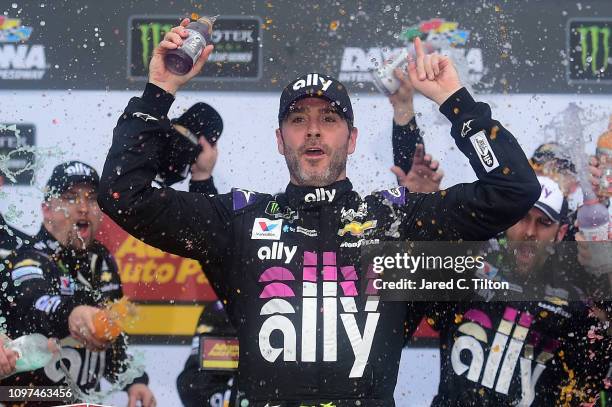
pixel 545 222
pixel 515 346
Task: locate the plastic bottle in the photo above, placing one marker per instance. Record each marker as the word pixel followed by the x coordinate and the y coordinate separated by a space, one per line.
pixel 110 321
pixel 594 224
pixel 604 155
pixel 593 217
pixel 180 60
pixel 33 352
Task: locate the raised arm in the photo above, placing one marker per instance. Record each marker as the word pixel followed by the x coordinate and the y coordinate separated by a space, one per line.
pixel 406 134
pixel 190 225
pixel 413 168
pixel 507 186
pixel 201 171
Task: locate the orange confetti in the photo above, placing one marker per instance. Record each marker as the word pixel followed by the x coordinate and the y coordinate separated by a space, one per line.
pixel 195 16
pixel 494 132
pixel 334 25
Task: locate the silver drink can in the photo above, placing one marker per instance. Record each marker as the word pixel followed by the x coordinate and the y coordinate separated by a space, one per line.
pixel 384 77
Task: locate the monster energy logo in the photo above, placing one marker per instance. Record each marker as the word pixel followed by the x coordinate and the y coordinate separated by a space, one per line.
pixel 596 34
pixel 237 47
pixel 151 34
pixel 272 208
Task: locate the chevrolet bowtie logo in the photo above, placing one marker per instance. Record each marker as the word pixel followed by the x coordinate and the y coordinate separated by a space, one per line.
pixel 356 228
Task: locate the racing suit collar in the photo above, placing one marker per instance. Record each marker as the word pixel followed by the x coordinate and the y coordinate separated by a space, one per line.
pixel 68 260
pixel 56 247
pixel 48 240
pixel 304 197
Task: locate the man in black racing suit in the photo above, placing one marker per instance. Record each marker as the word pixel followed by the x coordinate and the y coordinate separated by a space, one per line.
pixel 526 345
pixel 60 281
pixel 312 331
pixel 198 384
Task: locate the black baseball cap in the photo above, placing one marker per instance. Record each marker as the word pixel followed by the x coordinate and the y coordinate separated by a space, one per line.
pixel 320 86
pixel 554 152
pixel 68 174
pixel 202 119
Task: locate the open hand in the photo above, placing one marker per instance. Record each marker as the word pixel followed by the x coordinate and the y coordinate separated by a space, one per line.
pixel 424 175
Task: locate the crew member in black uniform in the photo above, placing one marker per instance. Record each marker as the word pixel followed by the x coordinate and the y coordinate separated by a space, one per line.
pixel 10 240
pixel 59 284
pixel 525 345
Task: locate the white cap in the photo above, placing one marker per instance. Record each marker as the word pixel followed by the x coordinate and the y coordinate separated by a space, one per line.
pixel 551 201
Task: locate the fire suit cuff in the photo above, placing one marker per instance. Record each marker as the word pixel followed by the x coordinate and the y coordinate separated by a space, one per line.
pixel 59 322
pixel 407 128
pixel 158 99
pixel 206 186
pixel 144 379
pixel 457 105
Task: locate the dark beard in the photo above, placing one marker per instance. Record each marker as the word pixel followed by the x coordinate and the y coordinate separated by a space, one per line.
pixel 320 179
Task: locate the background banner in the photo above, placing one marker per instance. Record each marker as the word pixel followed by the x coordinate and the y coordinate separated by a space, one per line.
pixel 551 46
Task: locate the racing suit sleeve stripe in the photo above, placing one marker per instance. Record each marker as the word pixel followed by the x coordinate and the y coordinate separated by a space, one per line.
pixel 506 188
pixel 404 140
pixel 186 224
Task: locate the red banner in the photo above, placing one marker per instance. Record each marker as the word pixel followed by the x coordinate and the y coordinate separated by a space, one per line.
pixel 148 274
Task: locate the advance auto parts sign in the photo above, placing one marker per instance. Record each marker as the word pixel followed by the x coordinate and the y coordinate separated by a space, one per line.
pixel 588 41
pixel 237 55
pixel 164 287
pixel 19 60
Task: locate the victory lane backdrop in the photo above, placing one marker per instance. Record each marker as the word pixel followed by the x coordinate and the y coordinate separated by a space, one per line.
pixel 237 56
pixel 64 69
pixel 552 46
